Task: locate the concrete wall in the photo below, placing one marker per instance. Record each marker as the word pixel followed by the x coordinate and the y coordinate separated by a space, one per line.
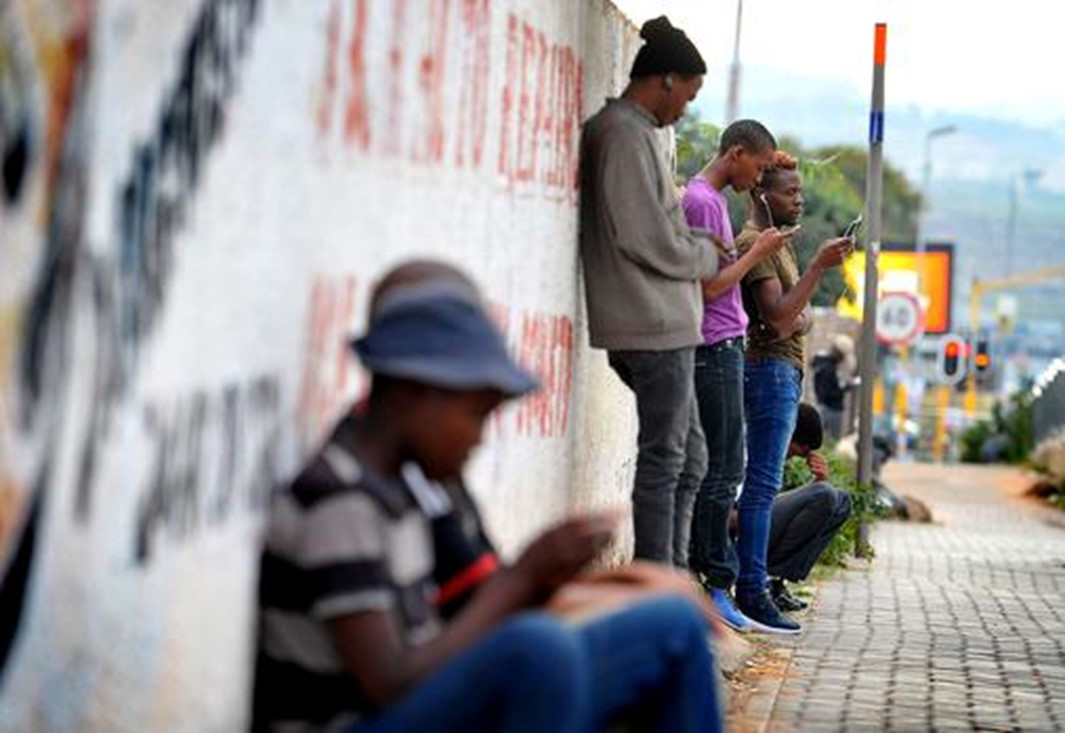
pixel 197 197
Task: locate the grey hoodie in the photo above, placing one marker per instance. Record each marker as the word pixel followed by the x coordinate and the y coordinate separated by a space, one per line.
pixel 642 264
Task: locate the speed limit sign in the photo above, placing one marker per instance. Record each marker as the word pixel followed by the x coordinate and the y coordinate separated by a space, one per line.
pixel 898 318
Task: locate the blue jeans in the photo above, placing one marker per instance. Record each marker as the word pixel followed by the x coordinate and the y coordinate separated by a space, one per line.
pixel 719 389
pixel 771 402
pixel 671 458
pixel 649 663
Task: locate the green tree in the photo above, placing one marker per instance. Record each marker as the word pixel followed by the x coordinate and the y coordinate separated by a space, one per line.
pixel 830 202
pixel 901 202
pixel 696 145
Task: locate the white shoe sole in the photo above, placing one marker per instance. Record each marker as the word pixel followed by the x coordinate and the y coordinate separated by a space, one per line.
pixel 745 629
pixel 760 628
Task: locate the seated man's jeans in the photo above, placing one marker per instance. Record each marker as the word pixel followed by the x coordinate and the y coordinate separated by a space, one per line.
pixel 649 663
pixel 771 393
pixel 804 521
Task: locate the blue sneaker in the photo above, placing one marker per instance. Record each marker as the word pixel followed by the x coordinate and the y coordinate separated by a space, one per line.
pixel 726 609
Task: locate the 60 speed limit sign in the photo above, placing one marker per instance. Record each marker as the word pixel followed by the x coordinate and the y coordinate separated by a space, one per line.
pixel 898 318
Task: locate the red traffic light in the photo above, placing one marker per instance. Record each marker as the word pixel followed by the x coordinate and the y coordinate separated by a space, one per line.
pixel 953 359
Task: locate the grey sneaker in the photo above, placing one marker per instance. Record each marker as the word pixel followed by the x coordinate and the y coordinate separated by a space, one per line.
pixel 765 616
pixel 782 597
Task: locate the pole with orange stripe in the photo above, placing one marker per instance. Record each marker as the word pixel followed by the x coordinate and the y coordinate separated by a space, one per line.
pixel 873 195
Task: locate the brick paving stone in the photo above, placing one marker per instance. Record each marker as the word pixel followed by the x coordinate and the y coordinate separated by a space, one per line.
pixel 956 625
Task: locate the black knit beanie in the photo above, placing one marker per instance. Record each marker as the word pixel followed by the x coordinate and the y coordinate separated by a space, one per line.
pixel 667 50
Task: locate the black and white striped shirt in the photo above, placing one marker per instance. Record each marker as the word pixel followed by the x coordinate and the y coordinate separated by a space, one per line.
pixel 340 540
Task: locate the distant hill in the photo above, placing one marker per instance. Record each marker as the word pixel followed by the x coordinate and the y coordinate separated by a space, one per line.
pixel 974 215
pixel 822 112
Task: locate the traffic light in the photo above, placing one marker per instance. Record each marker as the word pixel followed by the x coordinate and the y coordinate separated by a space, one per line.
pixel 982 371
pixel 981 356
pixel 951 361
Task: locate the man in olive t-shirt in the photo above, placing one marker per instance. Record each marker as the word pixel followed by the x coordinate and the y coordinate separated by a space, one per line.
pixel 777 299
pixel 762 341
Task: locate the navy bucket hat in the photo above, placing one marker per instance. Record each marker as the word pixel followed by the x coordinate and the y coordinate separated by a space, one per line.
pixel 438 333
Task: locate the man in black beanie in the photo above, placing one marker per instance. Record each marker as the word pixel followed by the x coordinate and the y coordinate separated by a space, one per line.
pixel 642 267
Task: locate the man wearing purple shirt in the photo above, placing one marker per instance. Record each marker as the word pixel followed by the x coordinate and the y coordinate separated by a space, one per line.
pixel 744 150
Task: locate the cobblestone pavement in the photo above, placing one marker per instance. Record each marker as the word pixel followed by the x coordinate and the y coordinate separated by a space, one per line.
pixel 957 625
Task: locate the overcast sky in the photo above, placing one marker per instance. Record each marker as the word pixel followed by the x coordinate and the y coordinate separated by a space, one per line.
pixel 991 58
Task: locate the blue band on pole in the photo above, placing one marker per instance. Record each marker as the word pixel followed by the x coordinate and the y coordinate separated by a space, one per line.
pixel 876 126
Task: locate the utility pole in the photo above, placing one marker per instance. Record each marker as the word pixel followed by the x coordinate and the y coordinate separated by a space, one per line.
pixel 1026 178
pixel 1011 224
pixel 873 194
pixel 732 106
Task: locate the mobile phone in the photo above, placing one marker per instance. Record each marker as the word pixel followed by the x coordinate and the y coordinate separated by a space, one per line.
pixel 601 526
pixel 852 229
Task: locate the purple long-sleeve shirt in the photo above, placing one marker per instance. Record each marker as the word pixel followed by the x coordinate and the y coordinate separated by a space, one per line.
pixel 706 208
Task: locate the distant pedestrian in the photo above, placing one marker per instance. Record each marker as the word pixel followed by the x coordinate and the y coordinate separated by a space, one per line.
pixel 777 300
pixel 745 148
pixel 831 383
pixel 642 266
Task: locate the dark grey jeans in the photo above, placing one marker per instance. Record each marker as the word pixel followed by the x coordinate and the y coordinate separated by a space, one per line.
pixel 671 458
pixel 804 520
pixel 719 390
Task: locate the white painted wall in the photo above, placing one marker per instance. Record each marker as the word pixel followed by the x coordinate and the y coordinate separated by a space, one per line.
pixel 141 601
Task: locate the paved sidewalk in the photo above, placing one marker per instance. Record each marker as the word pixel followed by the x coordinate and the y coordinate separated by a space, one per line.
pixel 958 625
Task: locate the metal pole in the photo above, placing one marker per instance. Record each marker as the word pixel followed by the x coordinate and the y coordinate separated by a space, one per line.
pixel 874 193
pixel 732 104
pixel 1011 224
pixel 920 246
pixel 1020 182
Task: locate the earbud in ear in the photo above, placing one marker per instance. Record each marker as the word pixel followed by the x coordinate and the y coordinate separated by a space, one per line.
pixel 667 82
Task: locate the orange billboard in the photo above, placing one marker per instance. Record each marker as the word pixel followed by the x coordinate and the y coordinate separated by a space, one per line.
pixel 929 276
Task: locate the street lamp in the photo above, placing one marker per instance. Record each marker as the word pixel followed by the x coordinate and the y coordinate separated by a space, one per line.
pixel 919 250
pixel 926 184
pixel 732 104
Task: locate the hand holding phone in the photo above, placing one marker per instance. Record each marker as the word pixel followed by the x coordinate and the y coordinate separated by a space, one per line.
pixel 788 231
pixel 852 229
pixel 562 551
pixel 833 252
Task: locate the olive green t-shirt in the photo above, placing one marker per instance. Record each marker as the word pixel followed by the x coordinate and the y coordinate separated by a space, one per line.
pixel 761 339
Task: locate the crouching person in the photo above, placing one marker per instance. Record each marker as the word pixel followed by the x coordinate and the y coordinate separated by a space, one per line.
pixel 349 635
pixel 803 519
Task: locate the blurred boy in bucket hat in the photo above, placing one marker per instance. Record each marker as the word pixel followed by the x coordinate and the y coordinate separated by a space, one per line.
pixel 349 635
pixel 437 333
